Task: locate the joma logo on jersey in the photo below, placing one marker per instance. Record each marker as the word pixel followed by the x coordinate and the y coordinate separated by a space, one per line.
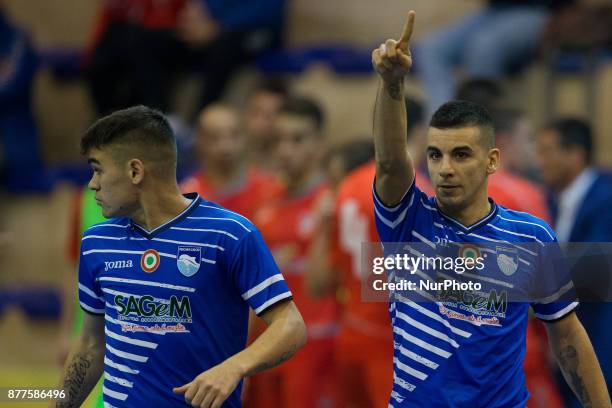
pixel 117 265
pixel 493 302
pixel 147 307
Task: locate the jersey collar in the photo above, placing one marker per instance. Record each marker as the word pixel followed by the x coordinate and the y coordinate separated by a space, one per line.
pixel 196 199
pixel 467 229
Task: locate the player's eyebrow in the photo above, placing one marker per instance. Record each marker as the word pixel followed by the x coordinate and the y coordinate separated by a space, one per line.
pixel 462 148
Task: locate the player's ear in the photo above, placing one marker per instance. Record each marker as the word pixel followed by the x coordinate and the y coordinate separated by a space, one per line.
pixel 493 160
pixel 136 170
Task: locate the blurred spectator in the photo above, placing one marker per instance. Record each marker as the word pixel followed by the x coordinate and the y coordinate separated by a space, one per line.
pixel 485 44
pixel 224 35
pixel 581 197
pixel 140 45
pixel 417 143
pixel 342 159
pixel 225 177
pixel 22 161
pixel 514 136
pixel 134 53
pixel 486 92
pixel 581 27
pixel 364 379
pixel 260 116
pixel 288 226
pixel 507 187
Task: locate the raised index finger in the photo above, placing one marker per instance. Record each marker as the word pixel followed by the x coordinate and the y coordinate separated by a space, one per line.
pixel 404 40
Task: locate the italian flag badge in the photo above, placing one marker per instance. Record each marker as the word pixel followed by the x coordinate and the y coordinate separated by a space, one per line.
pixel 149 260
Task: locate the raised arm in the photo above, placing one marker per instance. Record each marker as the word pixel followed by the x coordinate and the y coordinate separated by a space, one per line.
pixel 85 363
pixel 394 168
pixel 574 352
pixel 286 333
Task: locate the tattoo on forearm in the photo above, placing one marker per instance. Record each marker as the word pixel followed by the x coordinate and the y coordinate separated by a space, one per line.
pixel 394 90
pixel 281 359
pixel 74 380
pixel 569 361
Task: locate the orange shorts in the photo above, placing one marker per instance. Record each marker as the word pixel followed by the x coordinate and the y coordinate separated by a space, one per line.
pixel 365 369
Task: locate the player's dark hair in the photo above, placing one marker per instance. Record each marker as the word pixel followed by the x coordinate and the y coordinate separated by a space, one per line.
pixel 415 113
pixel 137 131
pixel 139 126
pixel 458 114
pixel 304 107
pixel 354 153
pixel 574 132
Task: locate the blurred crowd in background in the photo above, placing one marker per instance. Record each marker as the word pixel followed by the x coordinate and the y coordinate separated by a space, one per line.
pixel 254 136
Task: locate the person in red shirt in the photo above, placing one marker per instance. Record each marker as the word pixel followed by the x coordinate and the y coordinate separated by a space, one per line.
pixel 225 177
pixel 260 116
pixel 364 378
pixel 288 226
pixel 507 186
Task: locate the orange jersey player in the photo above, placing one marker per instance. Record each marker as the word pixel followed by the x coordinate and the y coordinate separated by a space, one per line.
pixel 225 177
pixel 364 378
pixel 289 228
pixel 252 193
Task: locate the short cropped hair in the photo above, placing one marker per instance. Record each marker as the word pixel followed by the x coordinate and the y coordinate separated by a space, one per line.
pixel 459 114
pixel 304 107
pixel 138 125
pixel 136 132
pixel 574 132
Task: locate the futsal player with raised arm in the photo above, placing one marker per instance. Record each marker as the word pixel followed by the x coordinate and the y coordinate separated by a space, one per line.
pixel 167 282
pixel 453 352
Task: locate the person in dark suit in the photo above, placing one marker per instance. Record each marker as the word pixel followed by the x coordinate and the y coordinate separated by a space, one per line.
pixel 580 198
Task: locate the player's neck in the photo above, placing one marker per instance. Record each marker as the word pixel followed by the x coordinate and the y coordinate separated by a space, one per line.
pixel 470 214
pixel 225 179
pixel 297 185
pixel 572 175
pixel 259 154
pixel 158 206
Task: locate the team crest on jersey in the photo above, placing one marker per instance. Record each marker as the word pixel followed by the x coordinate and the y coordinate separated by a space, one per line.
pixel 149 261
pixel 188 259
pixel 507 260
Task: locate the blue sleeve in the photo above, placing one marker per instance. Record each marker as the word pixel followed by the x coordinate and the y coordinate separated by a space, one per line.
pixel 237 15
pixel 91 298
pixel 391 221
pixel 554 294
pixel 256 275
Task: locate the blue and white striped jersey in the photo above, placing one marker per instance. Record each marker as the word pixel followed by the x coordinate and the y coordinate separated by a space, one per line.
pixel 176 299
pixel 464 348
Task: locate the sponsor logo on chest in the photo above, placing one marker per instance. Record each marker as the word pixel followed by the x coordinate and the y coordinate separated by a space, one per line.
pixel 108 265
